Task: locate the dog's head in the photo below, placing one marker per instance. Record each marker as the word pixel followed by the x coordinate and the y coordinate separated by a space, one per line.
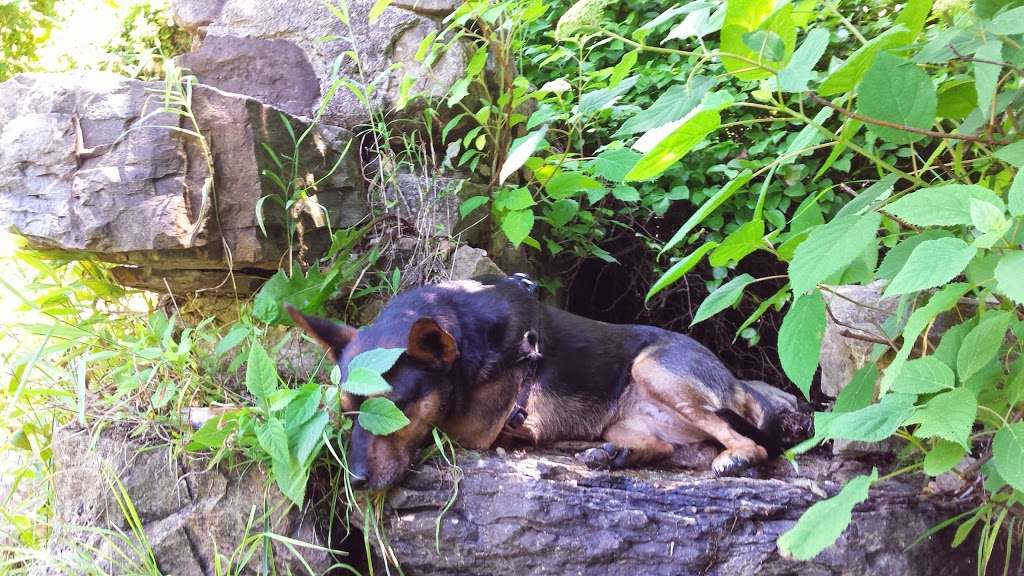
pixel 421 382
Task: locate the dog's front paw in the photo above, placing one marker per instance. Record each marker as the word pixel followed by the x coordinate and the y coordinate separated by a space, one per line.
pixel 607 456
pixel 729 464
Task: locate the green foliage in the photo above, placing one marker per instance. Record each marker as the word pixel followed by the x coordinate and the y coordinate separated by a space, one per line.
pixel 824 522
pixel 24 27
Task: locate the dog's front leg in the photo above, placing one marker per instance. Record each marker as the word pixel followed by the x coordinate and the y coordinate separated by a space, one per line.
pixel 628 443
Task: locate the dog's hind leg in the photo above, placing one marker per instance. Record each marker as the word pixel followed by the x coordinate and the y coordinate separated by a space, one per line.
pixel 628 443
pixel 740 451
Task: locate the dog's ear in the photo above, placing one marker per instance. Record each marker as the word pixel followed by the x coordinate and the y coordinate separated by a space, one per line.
pixel 331 335
pixel 430 343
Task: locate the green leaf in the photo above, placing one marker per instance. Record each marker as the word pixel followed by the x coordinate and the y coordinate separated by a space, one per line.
pixel 858 392
pixel 823 523
pixel 215 431
pixel 897 257
pixel 600 99
pixel 913 16
pixel 739 244
pixel 692 130
pixel 846 76
pixel 866 199
pixel 305 404
pixel 896 90
pixel 1015 197
pixel 458 91
pixel 470 204
pixel 982 344
pixel 380 417
pixel 831 248
pixel 365 382
pixel 626 193
pixel 567 184
pixel 613 165
pixel 291 479
pixel 1012 154
pixel 308 437
pixel 622 67
pixel 990 221
pixel 949 416
pixel 679 269
pixel 517 226
pixel 945 205
pixel 1010 276
pixel 766 44
pixel 957 98
pixel 743 17
pixel 513 199
pixel 873 423
pixel 378 360
pixel 933 263
pixel 694 24
pixel 800 340
pixel 520 150
pixel 924 376
pixel 726 295
pixel 378 8
pixel 943 457
pixel 234 337
pixel 1008 22
pixel 260 373
pixel 794 78
pixel 986 75
pixel 561 212
pixel 273 439
pixel 707 208
pixel 1008 454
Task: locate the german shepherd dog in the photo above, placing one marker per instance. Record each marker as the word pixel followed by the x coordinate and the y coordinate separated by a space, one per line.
pixel 486 359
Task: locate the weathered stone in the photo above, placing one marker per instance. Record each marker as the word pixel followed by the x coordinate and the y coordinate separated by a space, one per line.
pixel 543 513
pixel 386 49
pixel 188 512
pixel 468 262
pixel 430 202
pixel 88 163
pixel 438 8
pixel 193 16
pixel 856 310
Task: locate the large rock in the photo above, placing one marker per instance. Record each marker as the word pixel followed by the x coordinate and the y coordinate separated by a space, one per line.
pixel 89 163
pixel 854 322
pixel 189 511
pixel 289 53
pixel 543 513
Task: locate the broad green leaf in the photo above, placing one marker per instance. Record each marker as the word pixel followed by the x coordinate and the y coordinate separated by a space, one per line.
pixel 675 103
pixel 513 199
pixel 308 437
pixel 766 44
pixel 933 263
pixel 949 416
pixel 990 221
pixel 520 150
pixel 234 337
pixel 598 100
pixel 924 376
pixel 1015 197
pixel 913 16
pixel 1012 154
pixel 726 295
pixel 707 208
pixel 896 90
pixel 694 128
pixel 858 392
pixel 378 360
pixel 800 340
pixel 864 201
pixel 898 255
pixel 848 75
pixel 957 98
pixel 823 523
pixel 470 204
pixel 458 91
pixel 679 269
pixel 986 75
pixel 1008 454
pixel 693 25
pixel 215 431
pixel 945 205
pixel 380 417
pixel 303 406
pixel 273 439
pixel 739 244
pixel 1008 22
pixel 626 193
pixel 794 78
pixel 561 212
pixel 831 248
pixel 949 345
pixel 943 457
pixel 281 398
pixel 378 8
pixel 291 479
pixel 365 382
pixel 622 67
pixel 982 344
pixel 743 17
pixel 260 372
pixel 1010 276
pixel 613 165
pixel 568 184
pixel 873 423
pixel 517 226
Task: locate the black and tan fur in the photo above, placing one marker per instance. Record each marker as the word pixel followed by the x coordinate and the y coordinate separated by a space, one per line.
pixel 474 348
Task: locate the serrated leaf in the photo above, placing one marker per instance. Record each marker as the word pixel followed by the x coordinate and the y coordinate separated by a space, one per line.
pixel 822 524
pixel 1008 454
pixel 848 75
pixel 924 376
pixel 290 479
pixel 380 417
pixel 470 204
pixel 562 211
pixel 694 128
pixel 739 243
pixel 520 150
pixel 949 416
pixel 308 437
pixel 273 439
pixel 933 263
pixel 365 382
pixel 305 404
pixel 1015 197
pixel 622 67
pixel 831 248
pixel 709 206
pixel 1008 22
pixel 795 76
pixel 743 17
pixel 867 198
pixel 873 423
pixel 1012 154
pixel 957 98
pixel 858 392
pixel 896 90
pixel 378 8
pixel 517 226
pixel 513 199
pixel 679 269
pixel 613 165
pixel 982 344
pixel 378 360
pixel 598 100
pixel 726 295
pixel 898 255
pixel 943 457
pixel 260 372
pixel 692 25
pixel 567 184
pixel 986 75
pixel 234 337
pixel 945 205
pixel 1010 276
pixel 800 338
pixel 990 221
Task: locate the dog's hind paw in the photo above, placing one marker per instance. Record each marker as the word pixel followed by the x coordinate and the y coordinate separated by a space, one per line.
pixel 607 456
pixel 729 464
